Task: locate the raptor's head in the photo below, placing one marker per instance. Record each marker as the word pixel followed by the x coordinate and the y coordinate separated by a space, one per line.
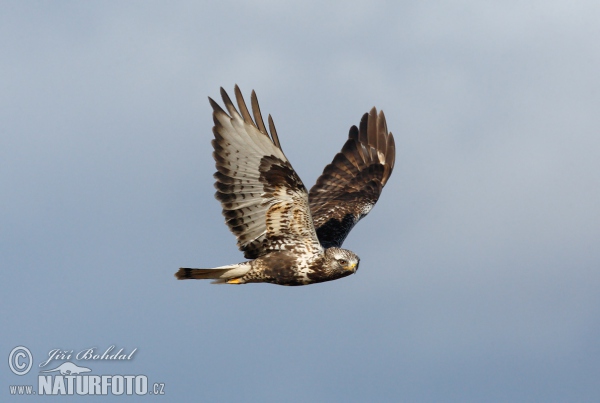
pixel 341 262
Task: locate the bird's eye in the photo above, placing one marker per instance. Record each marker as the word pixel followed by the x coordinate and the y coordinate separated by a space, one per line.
pixel 343 262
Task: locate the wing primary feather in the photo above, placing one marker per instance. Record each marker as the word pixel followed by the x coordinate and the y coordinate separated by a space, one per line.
pixel 362 131
pixel 228 104
pixel 216 108
pixel 353 134
pixel 381 133
pixel 257 115
pixel 274 133
pixel 372 128
pixel 242 105
pixel 390 156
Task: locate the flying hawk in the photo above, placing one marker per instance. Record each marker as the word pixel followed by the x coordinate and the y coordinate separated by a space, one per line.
pixel 293 237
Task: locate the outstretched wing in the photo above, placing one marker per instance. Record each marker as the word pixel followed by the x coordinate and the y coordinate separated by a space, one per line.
pixel 350 186
pixel 264 201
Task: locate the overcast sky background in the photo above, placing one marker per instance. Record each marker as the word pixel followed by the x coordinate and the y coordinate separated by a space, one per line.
pixel 479 277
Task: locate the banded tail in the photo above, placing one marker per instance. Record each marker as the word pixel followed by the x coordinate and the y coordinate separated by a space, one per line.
pixel 221 275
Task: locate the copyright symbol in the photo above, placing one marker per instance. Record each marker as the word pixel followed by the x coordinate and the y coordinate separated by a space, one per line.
pixel 20 360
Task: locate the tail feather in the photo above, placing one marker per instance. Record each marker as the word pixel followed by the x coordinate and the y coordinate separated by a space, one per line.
pixel 219 274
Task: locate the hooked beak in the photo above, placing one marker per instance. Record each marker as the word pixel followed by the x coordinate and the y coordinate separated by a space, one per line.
pixel 352 267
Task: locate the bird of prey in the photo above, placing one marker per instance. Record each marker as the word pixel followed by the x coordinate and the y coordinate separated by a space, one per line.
pixel 292 236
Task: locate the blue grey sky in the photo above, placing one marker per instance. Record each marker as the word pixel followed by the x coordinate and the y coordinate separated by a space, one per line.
pixel 479 277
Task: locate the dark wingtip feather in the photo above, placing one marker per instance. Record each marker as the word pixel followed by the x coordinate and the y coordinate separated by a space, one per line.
pixel 224 95
pixel 257 115
pixel 372 127
pixel 214 105
pixel 353 134
pixel 390 155
pixel 381 132
pixel 242 105
pixel 362 129
pixel 228 104
pixel 273 132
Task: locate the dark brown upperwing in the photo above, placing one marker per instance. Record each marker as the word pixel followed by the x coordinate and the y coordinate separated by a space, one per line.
pixel 350 186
